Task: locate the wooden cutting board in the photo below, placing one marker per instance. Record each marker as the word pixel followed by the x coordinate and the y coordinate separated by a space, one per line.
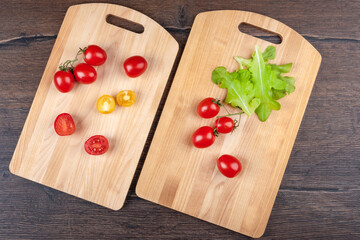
pixel 184 178
pixel 61 162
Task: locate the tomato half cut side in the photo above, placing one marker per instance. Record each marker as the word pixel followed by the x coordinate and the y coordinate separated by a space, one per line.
pixel 96 145
pixel 126 98
pixel 105 104
pixel 64 124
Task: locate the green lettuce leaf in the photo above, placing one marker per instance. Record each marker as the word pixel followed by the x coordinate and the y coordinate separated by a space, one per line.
pixel 241 92
pixel 269 53
pixel 256 85
pixel 264 79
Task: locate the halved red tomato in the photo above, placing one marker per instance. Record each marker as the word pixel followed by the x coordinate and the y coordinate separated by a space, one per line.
pixel 64 124
pixel 96 145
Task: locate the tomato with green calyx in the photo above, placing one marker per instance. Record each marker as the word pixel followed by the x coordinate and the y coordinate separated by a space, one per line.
pixel 64 81
pixel 94 55
pixel 203 137
pixel 207 108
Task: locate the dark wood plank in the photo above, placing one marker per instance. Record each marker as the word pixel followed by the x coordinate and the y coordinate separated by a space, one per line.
pixel 319 195
pixel 307 17
pixel 40 212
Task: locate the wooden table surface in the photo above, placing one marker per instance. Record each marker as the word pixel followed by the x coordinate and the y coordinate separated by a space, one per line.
pixel 320 194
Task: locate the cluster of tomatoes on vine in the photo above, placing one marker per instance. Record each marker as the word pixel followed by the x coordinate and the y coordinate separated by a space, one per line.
pixel 85 73
pixel 205 136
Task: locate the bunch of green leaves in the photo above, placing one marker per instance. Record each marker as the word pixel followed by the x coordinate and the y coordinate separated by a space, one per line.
pixel 257 84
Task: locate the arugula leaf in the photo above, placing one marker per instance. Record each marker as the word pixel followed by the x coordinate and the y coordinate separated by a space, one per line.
pixel 257 84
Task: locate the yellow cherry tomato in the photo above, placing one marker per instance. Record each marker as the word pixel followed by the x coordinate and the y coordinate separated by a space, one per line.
pixel 105 104
pixel 126 98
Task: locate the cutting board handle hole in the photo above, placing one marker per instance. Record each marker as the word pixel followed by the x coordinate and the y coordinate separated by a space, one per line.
pixel 125 24
pixel 261 33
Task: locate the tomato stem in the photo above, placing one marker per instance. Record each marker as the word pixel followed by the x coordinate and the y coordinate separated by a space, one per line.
pixel 217 102
pixel 236 122
pixel 226 109
pixel 69 64
pixel 216 130
pixel 230 114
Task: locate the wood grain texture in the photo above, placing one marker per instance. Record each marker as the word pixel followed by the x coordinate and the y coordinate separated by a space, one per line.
pixel 318 197
pixel 185 178
pixel 61 162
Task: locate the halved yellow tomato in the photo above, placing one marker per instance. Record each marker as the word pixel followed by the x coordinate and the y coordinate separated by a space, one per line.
pixel 105 104
pixel 126 98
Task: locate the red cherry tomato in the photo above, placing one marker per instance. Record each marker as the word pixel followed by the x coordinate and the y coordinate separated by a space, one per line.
pixel 95 55
pixel 224 124
pixel 207 109
pixel 229 165
pixel 85 73
pixel 203 137
pixel 64 81
pixel 64 124
pixel 96 145
pixel 135 66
